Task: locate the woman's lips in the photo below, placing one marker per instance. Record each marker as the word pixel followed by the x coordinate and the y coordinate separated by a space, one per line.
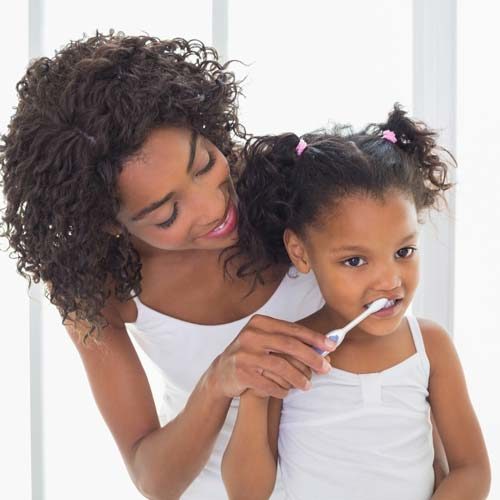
pixel 227 226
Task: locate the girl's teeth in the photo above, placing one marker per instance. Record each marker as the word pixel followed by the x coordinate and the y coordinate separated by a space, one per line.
pixel 390 303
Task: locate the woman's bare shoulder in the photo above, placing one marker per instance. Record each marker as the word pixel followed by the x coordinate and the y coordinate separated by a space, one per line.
pixel 114 311
pixel 119 384
pixel 127 310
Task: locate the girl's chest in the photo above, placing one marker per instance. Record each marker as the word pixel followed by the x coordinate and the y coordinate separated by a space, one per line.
pixel 373 358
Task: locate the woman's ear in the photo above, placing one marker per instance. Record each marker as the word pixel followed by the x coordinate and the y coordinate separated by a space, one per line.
pixel 296 251
pixel 112 230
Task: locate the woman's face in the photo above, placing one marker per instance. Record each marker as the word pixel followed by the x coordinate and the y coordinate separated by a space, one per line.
pixel 177 194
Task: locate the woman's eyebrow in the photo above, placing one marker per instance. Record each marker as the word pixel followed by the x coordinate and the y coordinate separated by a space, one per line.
pixel 157 204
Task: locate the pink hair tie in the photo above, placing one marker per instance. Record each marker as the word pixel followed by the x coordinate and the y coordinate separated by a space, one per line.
pixel 390 136
pixel 300 147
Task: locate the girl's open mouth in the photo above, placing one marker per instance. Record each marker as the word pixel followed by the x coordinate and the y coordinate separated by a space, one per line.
pixel 390 309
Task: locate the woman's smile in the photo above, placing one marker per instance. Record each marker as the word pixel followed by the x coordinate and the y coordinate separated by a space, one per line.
pixel 227 226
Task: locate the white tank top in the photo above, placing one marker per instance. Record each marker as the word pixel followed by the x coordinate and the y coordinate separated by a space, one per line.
pixel 359 437
pixel 183 351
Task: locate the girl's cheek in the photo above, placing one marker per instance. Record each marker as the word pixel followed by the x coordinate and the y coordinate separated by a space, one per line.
pixel 340 293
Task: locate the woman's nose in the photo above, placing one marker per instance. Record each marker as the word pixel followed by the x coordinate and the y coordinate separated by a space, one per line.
pixel 208 210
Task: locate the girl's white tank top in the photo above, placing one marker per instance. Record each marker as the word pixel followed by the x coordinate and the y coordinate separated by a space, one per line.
pixel 360 436
pixel 183 351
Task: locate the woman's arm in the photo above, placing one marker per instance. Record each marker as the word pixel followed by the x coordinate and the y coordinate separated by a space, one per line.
pixel 249 462
pixel 163 461
pixel 463 441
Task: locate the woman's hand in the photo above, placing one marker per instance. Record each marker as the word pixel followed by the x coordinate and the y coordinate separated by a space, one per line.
pixel 270 356
pixel 281 381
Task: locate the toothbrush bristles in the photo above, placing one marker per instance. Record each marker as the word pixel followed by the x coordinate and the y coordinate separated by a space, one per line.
pixel 378 304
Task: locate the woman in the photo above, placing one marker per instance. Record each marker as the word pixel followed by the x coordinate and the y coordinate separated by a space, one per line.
pixel 118 172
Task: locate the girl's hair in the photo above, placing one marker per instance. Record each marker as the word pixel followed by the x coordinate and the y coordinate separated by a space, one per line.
pixel 281 189
pixel 81 115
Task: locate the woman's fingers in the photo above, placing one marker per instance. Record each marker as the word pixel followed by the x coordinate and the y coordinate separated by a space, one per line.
pixel 263 386
pixel 273 365
pixel 270 355
pixel 277 380
pixel 299 365
pixel 294 330
pixel 295 347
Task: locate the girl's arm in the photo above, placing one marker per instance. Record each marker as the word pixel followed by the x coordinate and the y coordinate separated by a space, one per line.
pixel 250 460
pixel 459 429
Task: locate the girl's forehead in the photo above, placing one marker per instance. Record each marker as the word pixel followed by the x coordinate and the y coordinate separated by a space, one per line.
pixel 365 217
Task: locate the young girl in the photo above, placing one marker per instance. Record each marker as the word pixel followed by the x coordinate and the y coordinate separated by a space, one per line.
pixel 347 208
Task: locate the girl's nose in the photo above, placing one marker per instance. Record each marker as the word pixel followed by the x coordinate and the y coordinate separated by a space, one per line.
pixel 388 279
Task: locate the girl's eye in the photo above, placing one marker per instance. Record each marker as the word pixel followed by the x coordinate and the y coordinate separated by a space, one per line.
pixel 171 220
pixel 353 262
pixel 405 253
pixel 210 164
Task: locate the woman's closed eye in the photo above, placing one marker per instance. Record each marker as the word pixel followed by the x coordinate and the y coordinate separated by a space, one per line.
pixel 208 166
pixel 175 213
pixel 171 219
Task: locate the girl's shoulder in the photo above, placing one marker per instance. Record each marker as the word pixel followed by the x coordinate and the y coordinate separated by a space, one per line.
pixel 437 340
pixel 432 332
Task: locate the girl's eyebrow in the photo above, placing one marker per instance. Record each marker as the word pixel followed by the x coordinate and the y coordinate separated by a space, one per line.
pixel 349 249
pixel 157 204
pixel 361 249
pixel 409 237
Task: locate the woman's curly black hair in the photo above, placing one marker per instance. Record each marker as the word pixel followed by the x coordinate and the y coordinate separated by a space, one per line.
pixel 280 189
pixel 80 115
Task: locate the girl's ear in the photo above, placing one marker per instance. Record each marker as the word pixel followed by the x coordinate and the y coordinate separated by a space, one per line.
pixel 296 251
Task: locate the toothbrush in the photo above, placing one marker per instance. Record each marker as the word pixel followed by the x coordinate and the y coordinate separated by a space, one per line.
pixel 374 307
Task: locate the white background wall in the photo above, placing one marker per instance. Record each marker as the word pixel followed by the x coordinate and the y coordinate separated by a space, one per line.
pixel 477 322
pixel 14 301
pixel 339 61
